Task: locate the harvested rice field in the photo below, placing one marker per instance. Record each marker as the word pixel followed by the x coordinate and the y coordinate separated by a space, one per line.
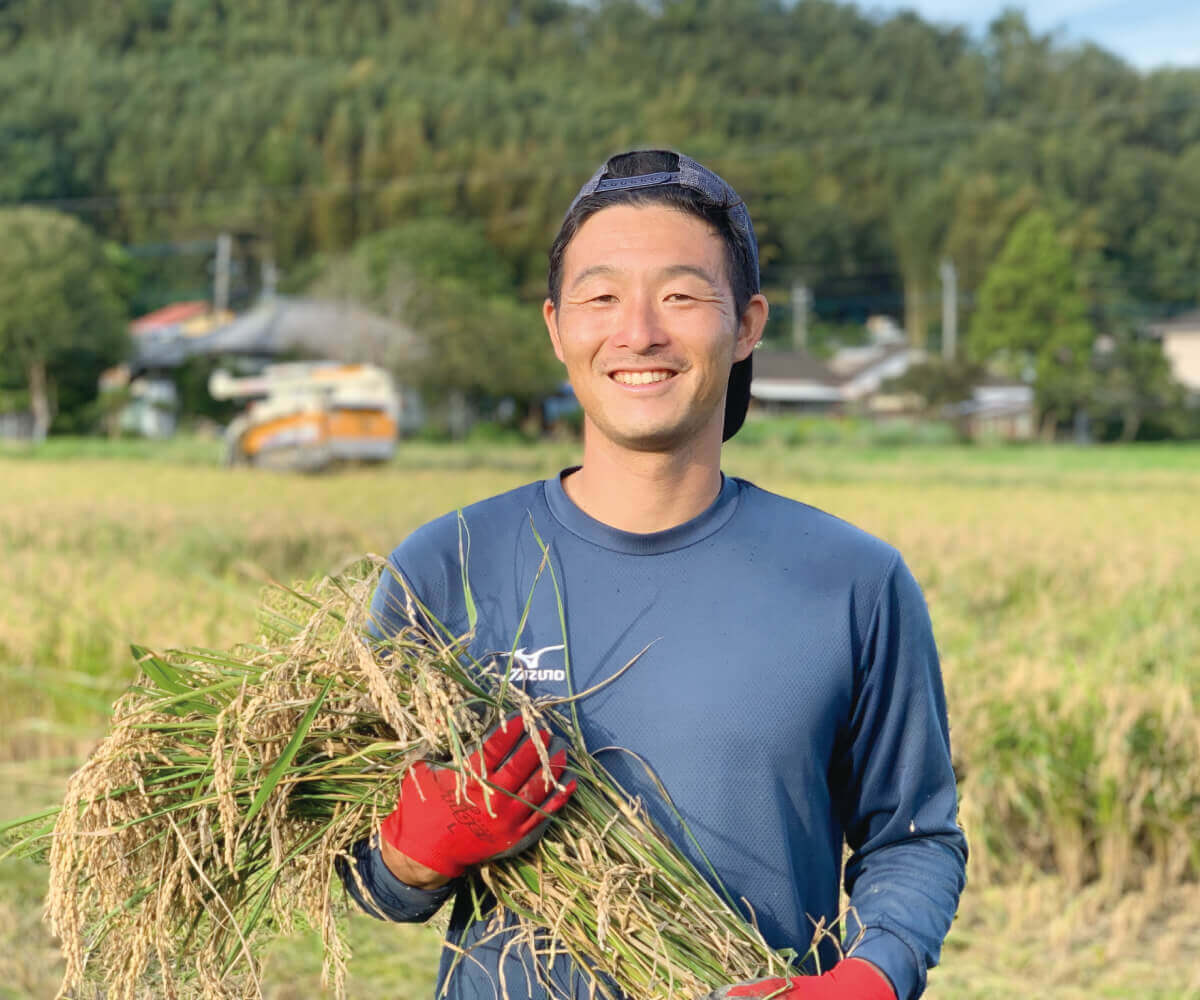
pixel 1064 586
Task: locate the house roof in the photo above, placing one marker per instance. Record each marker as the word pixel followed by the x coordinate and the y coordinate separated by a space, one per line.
pixel 848 364
pixel 993 381
pixel 792 376
pixel 851 362
pixel 790 366
pixel 337 331
pixel 1188 322
pixel 170 315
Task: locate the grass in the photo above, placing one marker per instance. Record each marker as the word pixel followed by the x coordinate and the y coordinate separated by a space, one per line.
pixel 1064 586
pixel 192 450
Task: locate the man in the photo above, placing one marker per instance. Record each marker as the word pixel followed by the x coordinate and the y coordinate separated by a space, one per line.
pixel 790 699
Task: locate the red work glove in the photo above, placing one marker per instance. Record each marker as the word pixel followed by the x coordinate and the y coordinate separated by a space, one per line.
pixel 437 825
pixel 850 979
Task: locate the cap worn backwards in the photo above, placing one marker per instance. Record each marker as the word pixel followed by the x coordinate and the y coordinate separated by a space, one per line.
pixel 696 177
pixel 689 174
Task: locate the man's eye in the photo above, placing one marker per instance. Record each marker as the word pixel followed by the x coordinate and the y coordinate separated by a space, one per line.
pixel 679 297
pixel 603 299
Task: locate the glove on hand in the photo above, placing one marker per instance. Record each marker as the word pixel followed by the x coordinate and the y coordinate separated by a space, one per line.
pixel 449 825
pixel 850 979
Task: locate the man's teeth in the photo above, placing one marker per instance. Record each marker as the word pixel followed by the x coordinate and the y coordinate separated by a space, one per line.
pixel 641 378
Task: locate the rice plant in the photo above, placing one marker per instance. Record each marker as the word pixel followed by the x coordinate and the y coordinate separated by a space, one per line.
pixel 210 818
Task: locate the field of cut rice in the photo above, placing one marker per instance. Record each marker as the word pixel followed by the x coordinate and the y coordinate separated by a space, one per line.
pixel 1064 586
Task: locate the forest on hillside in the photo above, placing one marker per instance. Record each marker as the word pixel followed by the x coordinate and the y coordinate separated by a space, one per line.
pixel 869 148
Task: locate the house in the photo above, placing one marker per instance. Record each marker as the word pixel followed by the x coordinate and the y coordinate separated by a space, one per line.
pixel 794 382
pixel 148 407
pixel 854 380
pixel 277 327
pixel 863 371
pixel 165 338
pixel 999 408
pixel 315 328
pixel 1180 339
pixel 17 426
pixel 169 317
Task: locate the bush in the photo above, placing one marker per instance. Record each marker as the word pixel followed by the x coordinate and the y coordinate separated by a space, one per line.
pixel 495 432
pixel 1097 784
pixel 793 431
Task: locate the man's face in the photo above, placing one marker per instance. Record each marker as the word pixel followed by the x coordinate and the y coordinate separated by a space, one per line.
pixel 647 328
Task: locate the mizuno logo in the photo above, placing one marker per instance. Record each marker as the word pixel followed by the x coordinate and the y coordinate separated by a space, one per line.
pixel 527 665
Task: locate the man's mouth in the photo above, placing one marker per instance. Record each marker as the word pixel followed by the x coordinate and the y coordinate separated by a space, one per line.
pixel 641 377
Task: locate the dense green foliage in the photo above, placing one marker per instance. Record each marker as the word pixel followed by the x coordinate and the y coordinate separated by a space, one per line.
pixel 445 279
pixel 868 147
pixel 62 320
pixel 1134 394
pixel 1033 317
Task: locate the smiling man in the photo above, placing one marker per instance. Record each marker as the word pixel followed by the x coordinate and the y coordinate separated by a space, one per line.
pixel 788 693
pixel 644 317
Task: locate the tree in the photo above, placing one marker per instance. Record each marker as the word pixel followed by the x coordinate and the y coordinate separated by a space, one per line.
pixel 1134 386
pixel 446 281
pixel 1032 317
pixel 59 308
pixel 917 221
pixel 866 147
pixel 984 214
pixel 483 348
pixel 939 383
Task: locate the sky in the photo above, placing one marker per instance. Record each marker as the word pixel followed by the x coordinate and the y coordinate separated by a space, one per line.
pixel 1145 33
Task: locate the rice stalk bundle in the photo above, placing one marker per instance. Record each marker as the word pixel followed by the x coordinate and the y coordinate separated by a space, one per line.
pixel 210 818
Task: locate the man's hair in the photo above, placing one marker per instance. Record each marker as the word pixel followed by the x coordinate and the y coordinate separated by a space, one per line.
pixel 741 263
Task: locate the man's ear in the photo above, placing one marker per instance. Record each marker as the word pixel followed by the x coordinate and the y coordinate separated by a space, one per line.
pixel 750 327
pixel 550 315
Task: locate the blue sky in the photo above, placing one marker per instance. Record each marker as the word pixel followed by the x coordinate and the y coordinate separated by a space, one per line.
pixel 1145 33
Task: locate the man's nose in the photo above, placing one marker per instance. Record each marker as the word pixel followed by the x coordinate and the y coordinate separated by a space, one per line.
pixel 642 328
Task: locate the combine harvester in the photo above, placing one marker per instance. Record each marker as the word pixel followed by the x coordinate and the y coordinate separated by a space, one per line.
pixel 307 416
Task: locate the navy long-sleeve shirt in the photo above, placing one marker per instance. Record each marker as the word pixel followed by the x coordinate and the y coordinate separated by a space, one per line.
pixel 789 698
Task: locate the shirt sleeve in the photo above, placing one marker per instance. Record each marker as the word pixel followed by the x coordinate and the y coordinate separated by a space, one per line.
pixel 367 878
pixel 908 866
pixel 378 892
pixel 395 605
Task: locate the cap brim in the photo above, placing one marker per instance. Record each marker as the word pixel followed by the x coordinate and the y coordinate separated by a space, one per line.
pixel 737 397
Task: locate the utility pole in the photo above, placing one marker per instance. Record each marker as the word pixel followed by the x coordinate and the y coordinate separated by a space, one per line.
pixel 270 275
pixel 221 273
pixel 801 301
pixel 949 309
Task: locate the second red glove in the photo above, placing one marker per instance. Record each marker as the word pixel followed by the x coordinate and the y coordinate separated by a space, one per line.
pixel 448 827
pixel 851 979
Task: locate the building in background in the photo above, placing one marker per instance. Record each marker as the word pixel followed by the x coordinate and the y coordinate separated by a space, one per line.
pixel 863 371
pixel 793 382
pixel 858 381
pixel 140 406
pixel 278 328
pixel 1180 338
pixel 999 408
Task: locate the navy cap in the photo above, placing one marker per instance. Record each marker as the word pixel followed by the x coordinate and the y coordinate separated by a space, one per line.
pixel 696 177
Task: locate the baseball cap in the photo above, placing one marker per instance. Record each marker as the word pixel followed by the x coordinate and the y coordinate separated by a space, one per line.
pixel 714 189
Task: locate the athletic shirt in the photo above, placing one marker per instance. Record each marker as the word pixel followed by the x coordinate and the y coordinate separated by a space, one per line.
pixel 785 690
